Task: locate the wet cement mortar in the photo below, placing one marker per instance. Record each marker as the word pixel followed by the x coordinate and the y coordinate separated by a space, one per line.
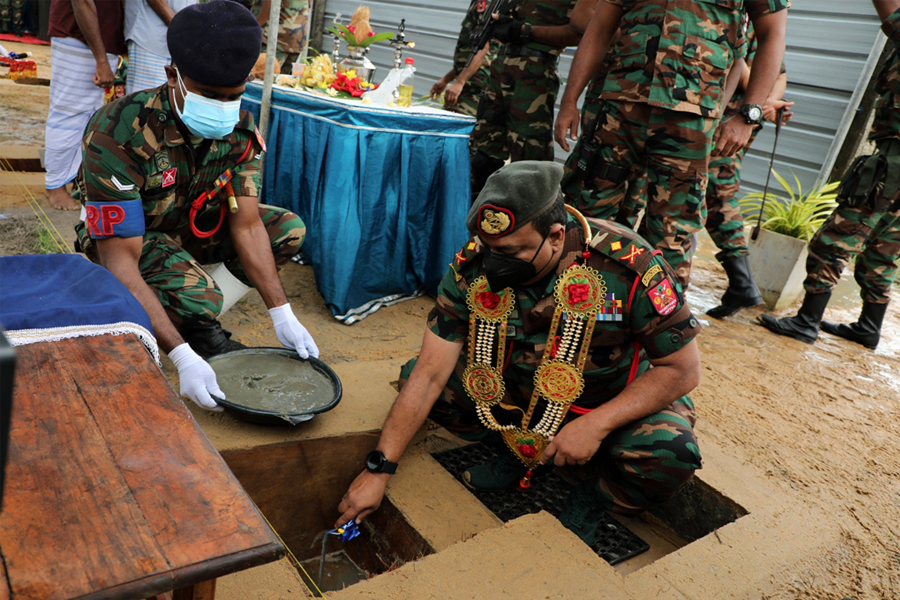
pixel 817 422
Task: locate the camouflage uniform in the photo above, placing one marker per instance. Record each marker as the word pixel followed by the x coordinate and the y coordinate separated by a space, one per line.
pixel 291 33
pixel 515 119
pixel 12 15
pixel 871 231
pixel 640 464
pixel 139 160
pixel 467 103
pixel 659 108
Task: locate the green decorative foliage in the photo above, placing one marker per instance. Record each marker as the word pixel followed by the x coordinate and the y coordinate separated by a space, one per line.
pixel 347 35
pixel 794 215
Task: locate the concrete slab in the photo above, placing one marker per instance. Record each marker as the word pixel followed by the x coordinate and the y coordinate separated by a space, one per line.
pixel 499 563
pixel 274 581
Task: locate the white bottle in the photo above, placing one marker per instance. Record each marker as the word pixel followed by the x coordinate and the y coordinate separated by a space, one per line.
pixel 405 89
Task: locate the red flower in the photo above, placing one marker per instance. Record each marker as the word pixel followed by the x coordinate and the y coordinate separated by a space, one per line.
pixel 527 450
pixel 371 33
pixel 489 299
pixel 578 293
pixel 351 28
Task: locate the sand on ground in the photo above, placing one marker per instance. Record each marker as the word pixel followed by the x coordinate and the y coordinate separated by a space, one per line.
pixel 818 422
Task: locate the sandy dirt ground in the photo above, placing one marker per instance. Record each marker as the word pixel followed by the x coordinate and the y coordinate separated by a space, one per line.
pixel 818 422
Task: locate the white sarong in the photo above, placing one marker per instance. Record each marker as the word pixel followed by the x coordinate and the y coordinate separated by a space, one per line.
pixel 145 69
pixel 73 101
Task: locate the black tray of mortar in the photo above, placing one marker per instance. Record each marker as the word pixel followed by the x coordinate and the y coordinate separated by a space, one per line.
pixel 270 417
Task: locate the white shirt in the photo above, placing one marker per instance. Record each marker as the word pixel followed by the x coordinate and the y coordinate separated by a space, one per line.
pixel 144 27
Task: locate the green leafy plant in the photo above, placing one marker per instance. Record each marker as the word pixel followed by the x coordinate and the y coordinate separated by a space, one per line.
pixel 796 215
pixel 349 36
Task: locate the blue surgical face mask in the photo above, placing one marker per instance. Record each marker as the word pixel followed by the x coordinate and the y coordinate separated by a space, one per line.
pixel 205 117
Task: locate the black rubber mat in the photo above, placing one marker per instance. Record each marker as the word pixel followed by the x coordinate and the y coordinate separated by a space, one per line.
pixel 613 543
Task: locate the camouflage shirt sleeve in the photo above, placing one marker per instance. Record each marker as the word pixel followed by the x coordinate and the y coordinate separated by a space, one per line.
pixel 449 319
pixel 247 177
pixel 111 186
pixel 660 318
pixel 891 27
pixel 761 8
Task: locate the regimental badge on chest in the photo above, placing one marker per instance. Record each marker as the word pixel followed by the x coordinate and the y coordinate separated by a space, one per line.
pixel 162 160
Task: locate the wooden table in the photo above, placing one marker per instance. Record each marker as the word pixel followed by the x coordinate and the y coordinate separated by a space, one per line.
pixel 112 490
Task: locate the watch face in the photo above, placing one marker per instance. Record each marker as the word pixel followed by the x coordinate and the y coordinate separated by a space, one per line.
pixel 375 460
pixel 754 113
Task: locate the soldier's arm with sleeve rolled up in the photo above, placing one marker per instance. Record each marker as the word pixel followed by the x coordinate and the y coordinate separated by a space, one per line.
pixel 438 88
pixel 590 55
pixel 733 81
pixel 455 88
pixel 162 9
pixel 770 30
pixel 671 377
pixel 776 101
pixel 428 379
pixel 86 18
pixel 885 8
pixel 582 14
pixel 509 31
pixel 255 253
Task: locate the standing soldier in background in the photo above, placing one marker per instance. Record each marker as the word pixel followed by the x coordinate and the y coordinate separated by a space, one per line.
pixel 866 223
pixel 515 114
pixel 12 16
pixel 462 86
pixel 660 104
pixel 723 218
pixel 291 31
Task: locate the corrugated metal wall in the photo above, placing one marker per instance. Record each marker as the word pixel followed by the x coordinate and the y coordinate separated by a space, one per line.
pixel 828 44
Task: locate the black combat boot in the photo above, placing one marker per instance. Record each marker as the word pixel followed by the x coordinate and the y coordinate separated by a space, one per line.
pixel 866 331
pixel 805 326
pixel 583 510
pixel 210 339
pixel 741 291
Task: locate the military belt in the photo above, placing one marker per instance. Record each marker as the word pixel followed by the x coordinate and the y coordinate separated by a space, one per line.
pixel 523 50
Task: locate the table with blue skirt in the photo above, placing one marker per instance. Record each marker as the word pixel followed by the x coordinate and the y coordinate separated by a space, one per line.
pixel 384 192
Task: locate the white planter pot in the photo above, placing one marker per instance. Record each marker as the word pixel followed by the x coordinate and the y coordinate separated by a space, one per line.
pixel 778 264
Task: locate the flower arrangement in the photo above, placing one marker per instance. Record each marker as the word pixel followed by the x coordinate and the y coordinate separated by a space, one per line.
pixel 349 83
pixel 358 33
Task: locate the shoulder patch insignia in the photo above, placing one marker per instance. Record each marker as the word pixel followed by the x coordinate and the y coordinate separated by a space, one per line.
pixel 633 253
pixel 162 160
pixel 650 274
pixel 663 297
pixel 168 177
pixel 615 246
pixel 259 138
pixel 154 181
pixel 471 246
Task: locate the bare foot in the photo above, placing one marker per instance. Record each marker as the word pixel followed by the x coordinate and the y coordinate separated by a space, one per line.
pixel 61 200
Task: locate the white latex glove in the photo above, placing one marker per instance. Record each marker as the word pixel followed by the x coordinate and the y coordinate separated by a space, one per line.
pixel 198 380
pixel 291 333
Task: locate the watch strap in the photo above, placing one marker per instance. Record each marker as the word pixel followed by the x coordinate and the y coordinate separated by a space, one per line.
pixel 526 37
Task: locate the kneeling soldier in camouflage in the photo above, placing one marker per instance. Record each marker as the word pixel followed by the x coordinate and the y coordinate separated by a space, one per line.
pixel 170 182
pixel 541 343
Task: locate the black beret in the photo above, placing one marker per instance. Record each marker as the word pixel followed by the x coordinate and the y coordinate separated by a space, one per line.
pixel 513 196
pixel 216 43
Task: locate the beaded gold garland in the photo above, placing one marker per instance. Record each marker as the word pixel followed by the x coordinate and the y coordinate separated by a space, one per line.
pixel 579 294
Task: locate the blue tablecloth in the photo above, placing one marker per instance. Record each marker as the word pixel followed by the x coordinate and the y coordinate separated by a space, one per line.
pixel 49 297
pixel 383 192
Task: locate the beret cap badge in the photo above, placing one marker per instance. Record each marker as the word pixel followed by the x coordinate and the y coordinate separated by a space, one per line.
pixel 495 221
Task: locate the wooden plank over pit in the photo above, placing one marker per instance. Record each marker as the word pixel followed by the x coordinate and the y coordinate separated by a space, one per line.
pixel 112 490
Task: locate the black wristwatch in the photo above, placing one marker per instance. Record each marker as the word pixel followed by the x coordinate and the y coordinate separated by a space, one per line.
pixel 525 37
pixel 753 113
pixel 377 463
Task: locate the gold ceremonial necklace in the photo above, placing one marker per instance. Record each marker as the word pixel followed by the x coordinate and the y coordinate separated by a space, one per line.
pixel 579 292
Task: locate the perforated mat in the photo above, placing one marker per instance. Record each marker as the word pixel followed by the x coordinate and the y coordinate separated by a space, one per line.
pixel 613 542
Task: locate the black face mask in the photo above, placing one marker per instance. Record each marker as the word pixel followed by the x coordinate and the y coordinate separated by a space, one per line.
pixel 504 271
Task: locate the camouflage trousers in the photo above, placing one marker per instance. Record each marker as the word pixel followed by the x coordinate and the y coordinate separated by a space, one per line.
pixel 171 262
pixel 724 221
pixel 637 466
pixel 12 13
pixel 672 149
pixel 516 110
pixel 872 236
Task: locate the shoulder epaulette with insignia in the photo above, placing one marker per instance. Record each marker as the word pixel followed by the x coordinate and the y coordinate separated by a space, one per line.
pixel 462 261
pixel 622 245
